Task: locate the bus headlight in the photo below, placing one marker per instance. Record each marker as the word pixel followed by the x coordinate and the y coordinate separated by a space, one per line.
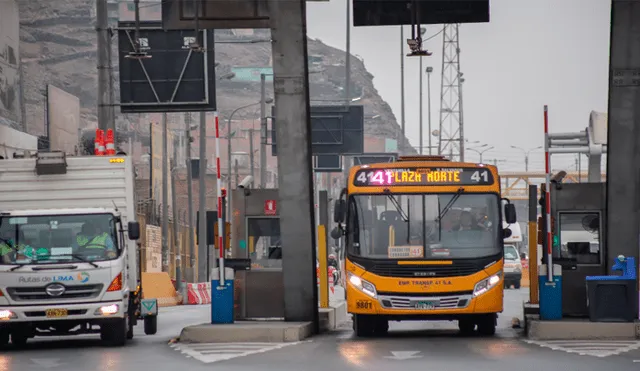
pixel 486 284
pixel 362 285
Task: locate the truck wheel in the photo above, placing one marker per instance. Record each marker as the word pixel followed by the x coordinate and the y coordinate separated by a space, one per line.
pixel 114 333
pixel 130 330
pixel 150 325
pixel 363 325
pixel 466 326
pixel 516 285
pixel 19 339
pixel 4 338
pixel 487 325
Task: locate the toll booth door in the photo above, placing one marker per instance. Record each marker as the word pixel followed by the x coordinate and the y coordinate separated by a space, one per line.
pixel 577 248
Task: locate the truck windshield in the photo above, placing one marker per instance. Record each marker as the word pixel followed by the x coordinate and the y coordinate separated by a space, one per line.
pixel 58 238
pixel 424 226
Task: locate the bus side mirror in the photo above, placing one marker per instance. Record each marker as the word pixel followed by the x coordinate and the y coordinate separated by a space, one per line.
pixel 336 233
pixel 339 211
pixel 510 213
pixel 506 233
pixel 133 229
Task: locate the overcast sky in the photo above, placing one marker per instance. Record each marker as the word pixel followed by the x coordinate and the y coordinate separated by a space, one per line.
pixel 532 53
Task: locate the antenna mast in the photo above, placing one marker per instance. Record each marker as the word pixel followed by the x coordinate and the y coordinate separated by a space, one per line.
pixel 451 131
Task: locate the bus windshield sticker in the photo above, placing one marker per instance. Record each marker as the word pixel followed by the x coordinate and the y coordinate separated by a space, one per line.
pixel 403 252
pixel 423 177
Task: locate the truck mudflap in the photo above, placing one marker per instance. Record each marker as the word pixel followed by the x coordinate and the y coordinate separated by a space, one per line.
pixel 149 314
pixel 148 307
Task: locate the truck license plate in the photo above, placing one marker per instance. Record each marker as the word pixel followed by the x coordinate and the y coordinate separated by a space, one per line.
pixel 426 305
pixel 56 313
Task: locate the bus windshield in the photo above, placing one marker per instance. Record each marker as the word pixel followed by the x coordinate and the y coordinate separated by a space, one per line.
pixel 424 226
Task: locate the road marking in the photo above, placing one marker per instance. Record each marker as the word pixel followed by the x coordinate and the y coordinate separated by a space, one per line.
pixel 216 352
pixel 603 348
pixel 404 355
pixel 47 362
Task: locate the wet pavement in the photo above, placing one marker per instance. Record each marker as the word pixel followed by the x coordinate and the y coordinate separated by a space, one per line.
pixel 409 345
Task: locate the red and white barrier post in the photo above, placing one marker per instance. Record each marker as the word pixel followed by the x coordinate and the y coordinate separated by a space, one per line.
pixel 219 192
pixel 547 169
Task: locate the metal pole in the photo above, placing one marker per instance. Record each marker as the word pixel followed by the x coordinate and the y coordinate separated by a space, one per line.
pixel 526 162
pixel 347 63
pixel 202 202
pixel 402 122
pixel 175 213
pixel 220 206
pixel 165 196
pixel 547 169
pixel 460 115
pixel 105 118
pixel 263 133
pixel 251 159
pixel 192 252
pixel 429 108
pixel 420 105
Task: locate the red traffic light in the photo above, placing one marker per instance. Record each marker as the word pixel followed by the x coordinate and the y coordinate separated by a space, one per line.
pixel 223 191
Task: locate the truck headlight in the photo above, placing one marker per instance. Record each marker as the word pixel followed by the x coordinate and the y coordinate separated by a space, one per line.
pixel 487 284
pixel 6 315
pixel 363 285
pixel 107 310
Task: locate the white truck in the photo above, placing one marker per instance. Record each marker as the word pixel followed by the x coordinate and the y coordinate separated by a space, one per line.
pixel 52 285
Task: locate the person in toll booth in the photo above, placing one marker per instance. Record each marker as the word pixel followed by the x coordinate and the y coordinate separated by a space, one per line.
pixel 12 249
pixel 91 241
pixel 467 222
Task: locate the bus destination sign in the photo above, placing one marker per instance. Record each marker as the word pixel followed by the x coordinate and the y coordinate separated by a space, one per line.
pixel 371 177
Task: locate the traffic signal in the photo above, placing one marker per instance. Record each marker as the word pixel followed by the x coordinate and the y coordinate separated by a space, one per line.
pixel 540 230
pixel 223 192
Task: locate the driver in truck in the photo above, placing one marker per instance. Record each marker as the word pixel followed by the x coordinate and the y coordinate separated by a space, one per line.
pixel 92 240
pixel 10 247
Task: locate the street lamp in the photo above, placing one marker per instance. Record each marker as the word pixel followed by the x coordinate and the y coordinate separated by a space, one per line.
pixel 429 70
pixel 526 155
pixel 268 101
pixel 480 152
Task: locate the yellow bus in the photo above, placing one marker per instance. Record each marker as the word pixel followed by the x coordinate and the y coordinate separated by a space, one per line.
pixel 424 241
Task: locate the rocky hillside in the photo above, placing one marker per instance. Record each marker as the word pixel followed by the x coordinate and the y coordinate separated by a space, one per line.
pixel 58 47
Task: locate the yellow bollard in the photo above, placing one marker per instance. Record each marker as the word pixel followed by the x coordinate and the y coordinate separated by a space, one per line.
pixel 533 262
pixel 324 270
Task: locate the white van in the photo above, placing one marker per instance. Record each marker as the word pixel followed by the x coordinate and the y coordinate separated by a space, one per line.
pixel 512 262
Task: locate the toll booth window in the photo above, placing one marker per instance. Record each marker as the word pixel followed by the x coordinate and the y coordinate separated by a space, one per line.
pixel 264 243
pixel 579 238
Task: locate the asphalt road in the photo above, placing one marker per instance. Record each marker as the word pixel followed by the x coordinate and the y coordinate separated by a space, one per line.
pixel 412 346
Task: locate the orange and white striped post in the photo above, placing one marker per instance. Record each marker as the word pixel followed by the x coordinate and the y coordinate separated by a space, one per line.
pixel 110 143
pixel 100 142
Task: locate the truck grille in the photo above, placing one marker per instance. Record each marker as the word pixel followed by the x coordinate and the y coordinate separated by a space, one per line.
pixel 39 293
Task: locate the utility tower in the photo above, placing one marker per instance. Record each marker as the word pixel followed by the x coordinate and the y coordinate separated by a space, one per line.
pixel 451 131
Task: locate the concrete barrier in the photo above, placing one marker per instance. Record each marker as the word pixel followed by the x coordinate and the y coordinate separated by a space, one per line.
pixel 199 293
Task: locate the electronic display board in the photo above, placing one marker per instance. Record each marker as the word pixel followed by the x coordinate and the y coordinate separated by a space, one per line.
pixel 414 176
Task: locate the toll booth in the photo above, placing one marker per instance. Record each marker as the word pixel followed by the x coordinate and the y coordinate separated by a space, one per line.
pixel 579 240
pixel 255 236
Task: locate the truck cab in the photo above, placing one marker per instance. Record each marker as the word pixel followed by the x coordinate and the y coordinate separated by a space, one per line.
pixel 68 253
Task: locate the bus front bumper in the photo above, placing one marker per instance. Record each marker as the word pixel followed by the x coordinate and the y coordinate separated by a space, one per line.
pixel 428 305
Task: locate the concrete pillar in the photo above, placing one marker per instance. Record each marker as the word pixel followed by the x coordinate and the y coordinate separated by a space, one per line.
pixel 291 87
pixel 623 177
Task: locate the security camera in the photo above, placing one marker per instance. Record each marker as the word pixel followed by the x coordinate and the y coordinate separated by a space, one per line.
pixel 246 182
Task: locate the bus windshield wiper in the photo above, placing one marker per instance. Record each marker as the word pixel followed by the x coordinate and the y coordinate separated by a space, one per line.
pixel 399 208
pixel 448 206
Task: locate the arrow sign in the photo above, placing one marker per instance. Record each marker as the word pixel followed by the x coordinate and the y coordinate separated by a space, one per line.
pixel 46 362
pixel 401 356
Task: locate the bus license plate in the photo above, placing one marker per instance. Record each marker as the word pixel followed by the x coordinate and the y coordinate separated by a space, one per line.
pixel 56 313
pixel 426 305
